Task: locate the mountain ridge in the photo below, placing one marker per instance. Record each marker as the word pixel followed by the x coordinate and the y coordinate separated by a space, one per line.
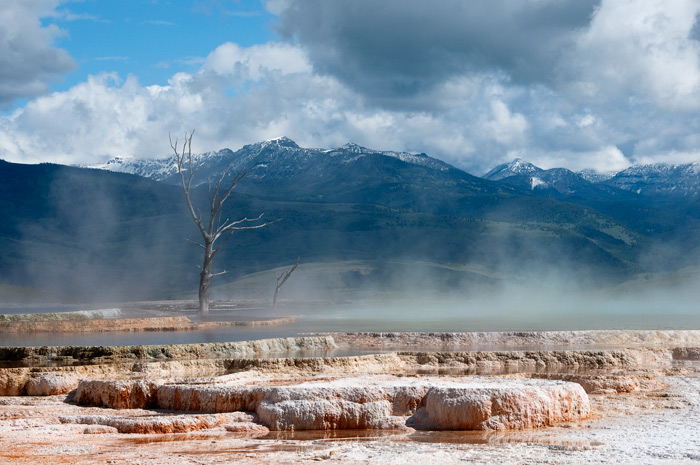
pixel 650 180
pixel 163 169
pixel 679 180
pixel 348 204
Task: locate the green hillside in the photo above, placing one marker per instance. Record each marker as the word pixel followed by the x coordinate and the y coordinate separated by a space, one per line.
pixel 94 235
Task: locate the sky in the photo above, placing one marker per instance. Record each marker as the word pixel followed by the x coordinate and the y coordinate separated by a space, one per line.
pixel 576 84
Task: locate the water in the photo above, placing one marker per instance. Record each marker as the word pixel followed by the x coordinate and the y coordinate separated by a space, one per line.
pixel 434 437
pixel 315 318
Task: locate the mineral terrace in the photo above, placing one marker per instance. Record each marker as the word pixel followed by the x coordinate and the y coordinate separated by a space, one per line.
pixel 555 397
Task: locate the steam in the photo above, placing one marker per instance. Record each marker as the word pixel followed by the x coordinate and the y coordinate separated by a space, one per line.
pixel 507 273
pixel 104 248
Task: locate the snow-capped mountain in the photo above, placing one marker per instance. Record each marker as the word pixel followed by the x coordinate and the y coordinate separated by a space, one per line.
pixel 281 160
pixel 517 167
pixel 554 182
pixel 279 169
pixel 526 175
pixel 276 157
pixel 158 169
pixel 596 176
pixel 420 159
pixel 520 167
pixel 659 179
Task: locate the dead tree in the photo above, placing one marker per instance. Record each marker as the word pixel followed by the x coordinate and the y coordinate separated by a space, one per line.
pixel 213 226
pixel 281 279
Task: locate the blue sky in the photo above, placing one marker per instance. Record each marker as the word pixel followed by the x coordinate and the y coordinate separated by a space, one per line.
pixel 152 39
pixel 599 84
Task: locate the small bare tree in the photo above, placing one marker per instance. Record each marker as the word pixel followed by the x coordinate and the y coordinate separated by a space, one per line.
pixel 281 279
pixel 213 227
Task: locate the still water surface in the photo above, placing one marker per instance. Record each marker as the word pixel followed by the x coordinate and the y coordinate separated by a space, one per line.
pixel 373 317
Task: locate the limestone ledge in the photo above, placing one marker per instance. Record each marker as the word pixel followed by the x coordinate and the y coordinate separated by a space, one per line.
pixel 80 315
pixel 61 380
pixel 152 324
pixel 163 423
pixel 104 354
pixel 519 339
pixel 388 402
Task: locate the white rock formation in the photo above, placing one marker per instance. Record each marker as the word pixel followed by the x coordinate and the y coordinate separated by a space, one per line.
pixel 491 406
pixel 51 384
pixel 364 403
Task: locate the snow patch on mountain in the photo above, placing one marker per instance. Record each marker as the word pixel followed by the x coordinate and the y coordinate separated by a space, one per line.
pixel 681 180
pixel 536 182
pixel 514 168
pixel 149 168
pixel 596 176
pixel 280 154
pixel 406 157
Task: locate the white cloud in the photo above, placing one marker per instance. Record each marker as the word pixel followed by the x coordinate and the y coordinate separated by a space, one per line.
pixel 586 121
pixel 28 58
pixel 505 127
pixel 614 87
pixel 641 49
pixel 673 157
pixel 395 49
pixel 106 117
pixel 604 160
pixel 254 62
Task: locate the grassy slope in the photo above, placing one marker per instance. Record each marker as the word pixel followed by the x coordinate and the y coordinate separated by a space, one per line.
pixel 93 234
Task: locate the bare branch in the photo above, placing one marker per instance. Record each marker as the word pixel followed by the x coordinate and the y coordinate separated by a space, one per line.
pixel 180 157
pixel 236 179
pixel 257 226
pixel 196 243
pixel 237 228
pixel 285 276
pixel 219 273
pixel 216 251
pixel 281 279
pixel 244 228
pixel 227 226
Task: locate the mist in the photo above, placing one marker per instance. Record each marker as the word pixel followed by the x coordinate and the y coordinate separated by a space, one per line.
pixel 88 236
pixel 410 296
pixel 481 262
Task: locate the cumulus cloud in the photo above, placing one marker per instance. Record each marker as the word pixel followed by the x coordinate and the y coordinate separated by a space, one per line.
pixel 600 50
pixel 608 159
pixel 254 62
pixel 401 48
pixel 641 49
pixel 505 127
pixel 28 58
pixel 573 84
pixel 107 116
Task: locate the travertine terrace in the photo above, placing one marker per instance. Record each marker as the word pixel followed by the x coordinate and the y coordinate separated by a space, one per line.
pixel 380 402
pixel 569 397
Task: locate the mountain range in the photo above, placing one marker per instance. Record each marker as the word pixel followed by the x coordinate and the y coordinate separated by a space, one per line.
pixel 279 167
pixel 657 180
pixel 382 220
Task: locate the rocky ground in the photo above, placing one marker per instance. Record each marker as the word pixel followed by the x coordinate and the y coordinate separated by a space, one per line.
pixel 641 403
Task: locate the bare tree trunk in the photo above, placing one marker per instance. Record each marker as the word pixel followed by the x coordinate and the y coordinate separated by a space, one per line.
pixel 205 280
pixel 213 227
pixel 281 279
pixel 274 297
